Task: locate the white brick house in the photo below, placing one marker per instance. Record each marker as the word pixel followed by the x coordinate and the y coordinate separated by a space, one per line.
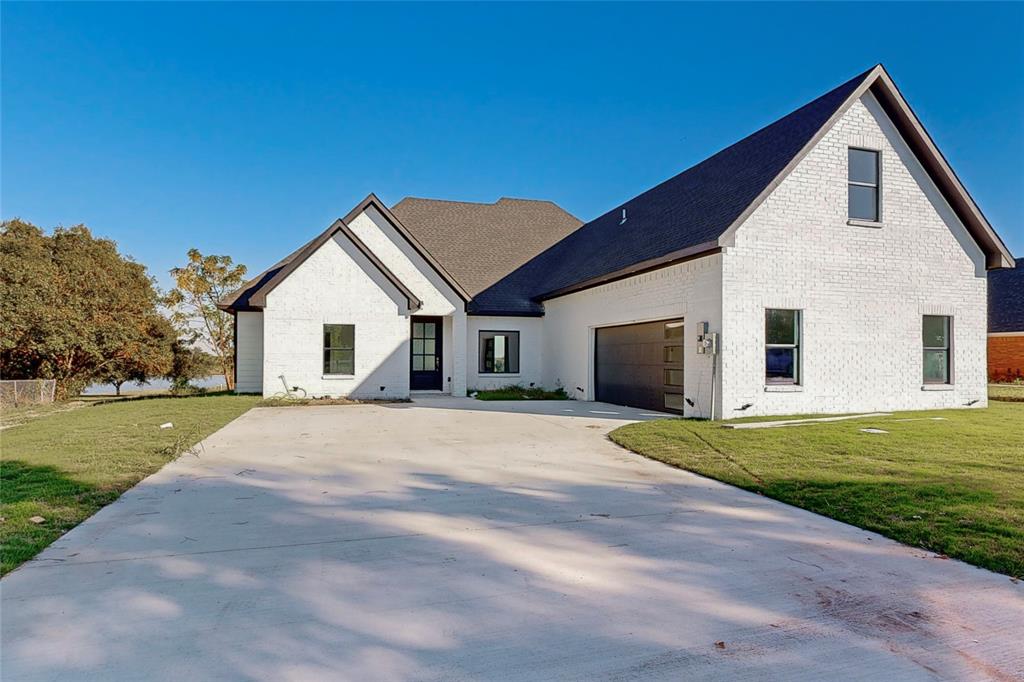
pixel 833 255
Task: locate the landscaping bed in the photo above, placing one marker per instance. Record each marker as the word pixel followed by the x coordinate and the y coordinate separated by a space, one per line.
pixel 951 485
pixel 520 393
pixel 66 466
pixel 300 402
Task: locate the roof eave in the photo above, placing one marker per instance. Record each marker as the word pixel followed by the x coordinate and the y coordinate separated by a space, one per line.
pixel 258 299
pixel 881 85
pixel 679 256
pixel 997 255
pixel 373 200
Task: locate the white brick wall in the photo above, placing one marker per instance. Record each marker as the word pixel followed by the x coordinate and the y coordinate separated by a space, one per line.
pixel 437 296
pixel 336 286
pixel 531 350
pixel 249 352
pixel 862 290
pixel 402 260
pixel 691 290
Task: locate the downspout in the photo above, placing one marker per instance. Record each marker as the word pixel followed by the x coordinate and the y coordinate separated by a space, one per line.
pixel 714 369
pixel 234 349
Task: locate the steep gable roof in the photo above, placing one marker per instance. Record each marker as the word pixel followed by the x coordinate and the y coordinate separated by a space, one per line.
pixel 481 243
pixel 252 295
pixel 1006 299
pixel 695 212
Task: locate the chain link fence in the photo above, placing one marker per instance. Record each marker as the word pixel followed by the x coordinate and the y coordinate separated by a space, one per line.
pixel 18 392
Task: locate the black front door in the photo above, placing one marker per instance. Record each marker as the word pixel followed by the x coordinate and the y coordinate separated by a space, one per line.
pixel 425 370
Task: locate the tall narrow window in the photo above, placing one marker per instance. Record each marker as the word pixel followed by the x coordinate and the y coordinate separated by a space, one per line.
pixel 339 349
pixel 863 185
pixel 935 333
pixel 499 352
pixel 782 346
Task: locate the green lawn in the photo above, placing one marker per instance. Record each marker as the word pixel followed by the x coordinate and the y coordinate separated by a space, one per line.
pixel 1008 392
pixel 65 465
pixel 953 486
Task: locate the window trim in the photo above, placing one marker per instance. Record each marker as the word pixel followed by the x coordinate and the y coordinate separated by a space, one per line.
pixel 877 186
pixel 948 348
pixel 797 347
pixel 480 352
pixel 324 348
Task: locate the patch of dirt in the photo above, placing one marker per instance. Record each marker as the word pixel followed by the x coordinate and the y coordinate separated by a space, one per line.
pixel 10 418
pixel 873 615
pixel 986 669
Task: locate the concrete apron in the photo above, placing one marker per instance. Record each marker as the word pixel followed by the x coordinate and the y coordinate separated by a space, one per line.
pixel 454 539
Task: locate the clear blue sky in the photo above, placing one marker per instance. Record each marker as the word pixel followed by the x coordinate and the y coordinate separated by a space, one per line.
pixel 246 129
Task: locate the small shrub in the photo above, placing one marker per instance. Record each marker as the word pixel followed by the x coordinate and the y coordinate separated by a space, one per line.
pixel 519 392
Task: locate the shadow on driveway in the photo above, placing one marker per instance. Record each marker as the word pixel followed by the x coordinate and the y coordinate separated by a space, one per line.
pixel 426 542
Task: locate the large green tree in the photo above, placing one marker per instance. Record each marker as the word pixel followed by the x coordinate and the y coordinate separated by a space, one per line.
pixel 189 363
pixel 71 306
pixel 201 283
pixel 149 355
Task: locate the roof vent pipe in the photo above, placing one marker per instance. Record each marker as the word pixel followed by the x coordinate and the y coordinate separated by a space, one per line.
pixel 623 221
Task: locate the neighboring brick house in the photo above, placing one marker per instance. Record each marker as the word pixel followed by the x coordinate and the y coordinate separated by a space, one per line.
pixel 829 262
pixel 1006 324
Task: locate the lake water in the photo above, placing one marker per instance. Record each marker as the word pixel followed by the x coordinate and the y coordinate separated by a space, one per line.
pixel 211 383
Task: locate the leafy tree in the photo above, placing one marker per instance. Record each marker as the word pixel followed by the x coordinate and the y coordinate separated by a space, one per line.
pixel 189 363
pixel 71 306
pixel 151 355
pixel 28 294
pixel 200 284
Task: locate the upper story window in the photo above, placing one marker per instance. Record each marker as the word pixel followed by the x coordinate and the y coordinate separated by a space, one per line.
pixel 339 349
pixel 782 346
pixel 499 352
pixel 863 174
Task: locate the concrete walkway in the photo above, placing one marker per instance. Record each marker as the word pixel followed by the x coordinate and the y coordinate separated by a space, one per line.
pixel 451 539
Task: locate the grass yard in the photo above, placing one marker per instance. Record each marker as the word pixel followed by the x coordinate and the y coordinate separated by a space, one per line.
pixel 953 486
pixel 66 465
pixel 1007 392
pixel 521 393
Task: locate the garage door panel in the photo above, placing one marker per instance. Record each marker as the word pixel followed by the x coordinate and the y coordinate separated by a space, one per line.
pixel 638 364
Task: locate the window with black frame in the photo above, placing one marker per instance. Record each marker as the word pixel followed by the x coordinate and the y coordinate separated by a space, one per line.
pixel 499 352
pixel 863 185
pixel 339 349
pixel 782 346
pixel 935 332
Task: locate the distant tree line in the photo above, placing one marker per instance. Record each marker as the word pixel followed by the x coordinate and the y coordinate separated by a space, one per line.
pixel 74 309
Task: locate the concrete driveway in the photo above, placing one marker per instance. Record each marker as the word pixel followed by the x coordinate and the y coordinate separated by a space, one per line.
pixel 450 539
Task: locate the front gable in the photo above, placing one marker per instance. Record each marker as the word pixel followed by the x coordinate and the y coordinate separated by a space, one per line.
pixel 410 265
pixel 898 123
pixel 860 288
pixel 342 269
pixel 808 210
pixel 379 243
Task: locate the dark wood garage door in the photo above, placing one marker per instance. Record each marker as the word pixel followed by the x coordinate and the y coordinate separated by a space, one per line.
pixel 641 365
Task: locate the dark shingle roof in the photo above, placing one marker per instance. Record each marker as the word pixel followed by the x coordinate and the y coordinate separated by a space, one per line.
pixel 481 243
pixel 475 244
pixel 1006 299
pixel 239 300
pixel 692 208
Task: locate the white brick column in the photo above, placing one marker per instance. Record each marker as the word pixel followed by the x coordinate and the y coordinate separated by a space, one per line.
pixel 459 344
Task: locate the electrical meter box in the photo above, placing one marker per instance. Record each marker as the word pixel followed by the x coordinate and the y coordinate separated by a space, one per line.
pixel 707 341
